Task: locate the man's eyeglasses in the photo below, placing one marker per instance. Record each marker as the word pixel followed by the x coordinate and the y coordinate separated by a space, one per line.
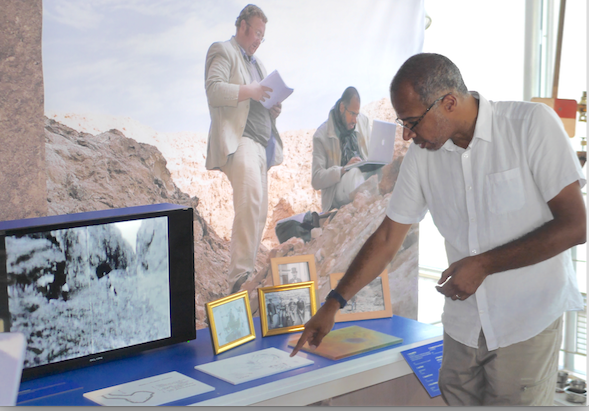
pixel 410 125
pixel 353 113
pixel 258 33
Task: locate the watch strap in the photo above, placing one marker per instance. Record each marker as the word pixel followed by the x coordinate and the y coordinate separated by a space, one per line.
pixel 337 296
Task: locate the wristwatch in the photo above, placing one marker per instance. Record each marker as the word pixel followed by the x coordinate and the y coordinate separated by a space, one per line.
pixel 336 296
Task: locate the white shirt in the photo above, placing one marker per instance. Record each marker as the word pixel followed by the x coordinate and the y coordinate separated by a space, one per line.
pixel 495 191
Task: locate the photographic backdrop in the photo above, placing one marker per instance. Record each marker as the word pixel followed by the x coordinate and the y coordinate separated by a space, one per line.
pixel 134 69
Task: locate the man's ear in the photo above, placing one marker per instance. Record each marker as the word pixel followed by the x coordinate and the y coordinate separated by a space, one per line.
pixel 341 107
pixel 450 103
pixel 242 23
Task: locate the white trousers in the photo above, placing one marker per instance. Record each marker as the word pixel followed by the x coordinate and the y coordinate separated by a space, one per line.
pixel 348 183
pixel 247 171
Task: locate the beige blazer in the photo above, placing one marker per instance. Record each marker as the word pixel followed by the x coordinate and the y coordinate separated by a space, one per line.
pixel 225 71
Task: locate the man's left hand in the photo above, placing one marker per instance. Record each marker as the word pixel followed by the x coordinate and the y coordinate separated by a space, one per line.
pixel 463 278
pixel 275 110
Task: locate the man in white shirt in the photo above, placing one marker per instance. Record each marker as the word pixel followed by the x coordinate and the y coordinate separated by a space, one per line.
pixel 504 188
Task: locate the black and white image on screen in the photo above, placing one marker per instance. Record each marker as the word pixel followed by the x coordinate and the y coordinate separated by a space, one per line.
pixel 80 291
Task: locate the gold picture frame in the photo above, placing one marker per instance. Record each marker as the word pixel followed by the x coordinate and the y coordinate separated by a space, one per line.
pixel 293 269
pixel 286 308
pixel 227 319
pixel 372 301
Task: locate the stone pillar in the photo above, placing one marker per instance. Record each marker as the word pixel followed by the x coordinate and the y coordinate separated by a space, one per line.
pixel 23 186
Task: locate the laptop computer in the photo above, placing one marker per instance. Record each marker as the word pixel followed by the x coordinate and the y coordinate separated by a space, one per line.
pixel 381 147
pixel 12 356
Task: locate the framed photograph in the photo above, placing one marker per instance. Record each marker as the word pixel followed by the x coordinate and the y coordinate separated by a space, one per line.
pixel 286 308
pixel 294 269
pixel 230 321
pixel 372 301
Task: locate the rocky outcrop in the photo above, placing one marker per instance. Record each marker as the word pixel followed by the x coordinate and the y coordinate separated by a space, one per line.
pixel 108 170
pixel 289 184
pixel 337 242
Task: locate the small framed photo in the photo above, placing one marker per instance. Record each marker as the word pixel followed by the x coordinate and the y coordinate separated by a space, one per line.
pixel 286 308
pixel 230 321
pixel 293 269
pixel 372 301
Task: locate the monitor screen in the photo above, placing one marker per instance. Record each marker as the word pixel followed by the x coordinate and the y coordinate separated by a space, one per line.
pixel 90 290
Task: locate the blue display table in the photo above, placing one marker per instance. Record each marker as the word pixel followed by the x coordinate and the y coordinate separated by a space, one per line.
pixel 324 379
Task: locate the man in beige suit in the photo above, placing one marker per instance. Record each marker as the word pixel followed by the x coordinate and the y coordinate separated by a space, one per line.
pixel 243 140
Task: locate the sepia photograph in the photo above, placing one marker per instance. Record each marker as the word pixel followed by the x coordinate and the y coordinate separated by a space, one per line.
pixel 372 301
pixel 286 308
pixel 231 322
pixel 294 269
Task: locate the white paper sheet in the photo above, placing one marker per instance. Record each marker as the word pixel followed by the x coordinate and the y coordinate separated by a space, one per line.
pixel 158 390
pixel 279 91
pixel 248 367
pixel 12 355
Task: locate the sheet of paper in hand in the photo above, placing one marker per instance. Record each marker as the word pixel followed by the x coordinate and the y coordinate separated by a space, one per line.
pixel 279 92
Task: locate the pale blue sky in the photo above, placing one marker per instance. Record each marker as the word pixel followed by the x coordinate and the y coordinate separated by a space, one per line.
pixel 145 58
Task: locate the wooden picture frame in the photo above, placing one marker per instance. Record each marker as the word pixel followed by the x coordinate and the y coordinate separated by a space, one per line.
pixel 293 269
pixel 360 307
pixel 230 321
pixel 286 308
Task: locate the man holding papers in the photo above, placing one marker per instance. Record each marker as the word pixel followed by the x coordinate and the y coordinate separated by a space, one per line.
pixel 341 140
pixel 243 140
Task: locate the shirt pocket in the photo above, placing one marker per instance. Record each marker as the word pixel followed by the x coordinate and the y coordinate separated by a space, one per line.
pixel 505 191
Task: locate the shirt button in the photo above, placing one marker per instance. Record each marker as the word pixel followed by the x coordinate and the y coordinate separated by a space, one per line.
pixel 472 219
pixel 473 251
pixel 465 155
pixel 469 188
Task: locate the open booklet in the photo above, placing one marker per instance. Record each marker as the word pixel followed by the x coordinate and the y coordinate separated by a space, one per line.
pixel 279 91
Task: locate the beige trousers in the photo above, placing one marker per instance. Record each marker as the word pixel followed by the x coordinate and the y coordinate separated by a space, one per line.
pixel 520 374
pixel 247 171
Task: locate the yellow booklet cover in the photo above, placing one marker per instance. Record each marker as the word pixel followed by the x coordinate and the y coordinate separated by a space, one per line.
pixel 348 341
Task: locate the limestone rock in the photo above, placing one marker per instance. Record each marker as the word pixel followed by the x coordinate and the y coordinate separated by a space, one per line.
pixel 109 170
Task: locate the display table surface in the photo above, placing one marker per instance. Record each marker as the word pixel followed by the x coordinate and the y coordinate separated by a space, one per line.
pixel 321 380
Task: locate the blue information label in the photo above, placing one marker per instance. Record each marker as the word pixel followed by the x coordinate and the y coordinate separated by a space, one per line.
pixel 425 361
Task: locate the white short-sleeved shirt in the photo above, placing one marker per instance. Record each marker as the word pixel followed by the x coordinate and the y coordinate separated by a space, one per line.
pixel 495 191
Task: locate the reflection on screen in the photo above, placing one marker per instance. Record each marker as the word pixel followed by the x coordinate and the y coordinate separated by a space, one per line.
pixel 81 291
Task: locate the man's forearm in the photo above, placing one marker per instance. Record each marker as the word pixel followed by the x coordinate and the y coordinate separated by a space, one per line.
pixel 541 244
pixel 245 93
pixel 567 229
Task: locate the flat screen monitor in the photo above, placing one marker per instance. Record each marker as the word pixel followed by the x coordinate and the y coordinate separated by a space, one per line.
pixel 89 287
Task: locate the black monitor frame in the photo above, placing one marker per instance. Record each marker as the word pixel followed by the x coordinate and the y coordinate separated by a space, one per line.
pixel 181 274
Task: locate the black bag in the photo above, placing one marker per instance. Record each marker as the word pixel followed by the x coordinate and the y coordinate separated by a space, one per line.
pixel 289 228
